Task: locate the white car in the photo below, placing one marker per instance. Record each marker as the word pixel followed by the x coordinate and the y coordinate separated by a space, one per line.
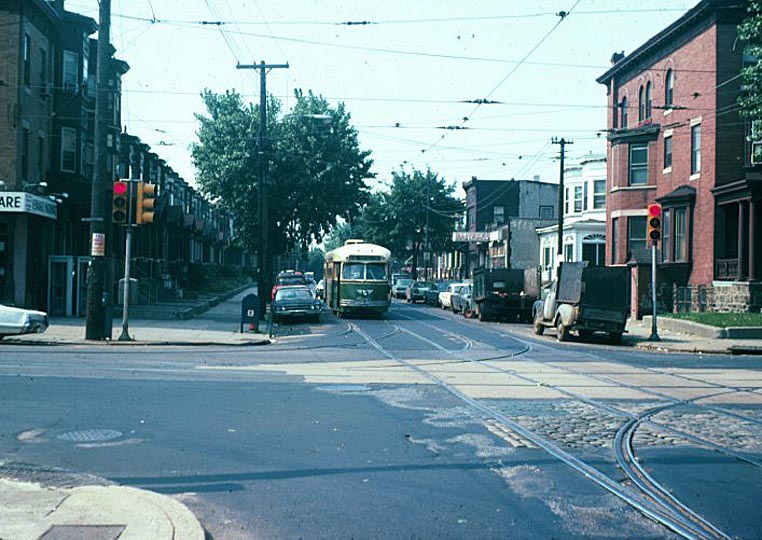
pixel 16 321
pixel 445 297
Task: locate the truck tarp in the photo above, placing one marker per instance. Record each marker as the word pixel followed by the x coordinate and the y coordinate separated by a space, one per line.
pixel 602 286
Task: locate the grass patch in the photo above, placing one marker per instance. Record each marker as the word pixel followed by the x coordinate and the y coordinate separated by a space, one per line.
pixel 721 320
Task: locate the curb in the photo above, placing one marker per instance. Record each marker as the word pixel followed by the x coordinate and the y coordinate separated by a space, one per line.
pixel 705 330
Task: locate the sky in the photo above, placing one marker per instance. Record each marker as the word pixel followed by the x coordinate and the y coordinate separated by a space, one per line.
pixel 406 71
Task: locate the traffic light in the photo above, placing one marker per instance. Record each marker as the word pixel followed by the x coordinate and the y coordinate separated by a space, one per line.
pixel 654 223
pixel 119 200
pixel 146 202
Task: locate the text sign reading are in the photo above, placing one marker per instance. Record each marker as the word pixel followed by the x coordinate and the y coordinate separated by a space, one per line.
pixel 21 202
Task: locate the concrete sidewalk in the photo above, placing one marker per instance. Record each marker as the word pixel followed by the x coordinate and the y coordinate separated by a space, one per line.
pixel 638 333
pixel 30 511
pixel 216 321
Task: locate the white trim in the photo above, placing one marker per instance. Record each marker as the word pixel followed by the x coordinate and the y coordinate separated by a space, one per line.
pixel 667 133
pixel 667 112
pixel 643 187
pixel 695 121
pixel 667 170
pixel 696 176
pixel 629 213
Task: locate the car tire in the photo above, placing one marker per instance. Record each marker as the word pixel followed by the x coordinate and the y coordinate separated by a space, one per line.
pixel 562 332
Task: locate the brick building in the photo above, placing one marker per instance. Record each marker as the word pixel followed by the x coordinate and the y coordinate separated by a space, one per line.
pixel 676 138
pixel 47 124
pixel 501 221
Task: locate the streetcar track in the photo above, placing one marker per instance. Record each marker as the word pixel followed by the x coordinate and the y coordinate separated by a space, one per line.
pixel 671 516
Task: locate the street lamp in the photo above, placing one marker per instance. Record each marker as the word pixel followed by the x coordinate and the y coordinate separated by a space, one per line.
pixel 32 186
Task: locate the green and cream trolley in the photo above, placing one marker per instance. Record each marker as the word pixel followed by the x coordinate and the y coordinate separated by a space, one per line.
pixel 357 279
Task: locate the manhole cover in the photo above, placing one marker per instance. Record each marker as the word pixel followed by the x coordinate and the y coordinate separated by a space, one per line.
pixel 90 435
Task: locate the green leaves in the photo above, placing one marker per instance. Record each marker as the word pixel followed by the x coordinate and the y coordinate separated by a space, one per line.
pixel 316 171
pixel 750 32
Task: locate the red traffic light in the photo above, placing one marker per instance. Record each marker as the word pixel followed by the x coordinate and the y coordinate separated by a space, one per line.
pixel 654 210
pixel 120 188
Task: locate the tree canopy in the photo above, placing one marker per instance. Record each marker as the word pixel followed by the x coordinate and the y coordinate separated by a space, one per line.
pixel 750 32
pixel 316 170
pixel 418 211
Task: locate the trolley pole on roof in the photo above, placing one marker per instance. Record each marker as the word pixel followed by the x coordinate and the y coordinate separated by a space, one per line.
pixel 263 254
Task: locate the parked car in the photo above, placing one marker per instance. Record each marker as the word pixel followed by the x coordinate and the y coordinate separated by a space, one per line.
pixel 416 291
pixel 461 301
pixel 295 301
pixel 399 287
pixel 288 278
pixel 446 295
pixel 432 296
pixel 320 289
pixel 16 321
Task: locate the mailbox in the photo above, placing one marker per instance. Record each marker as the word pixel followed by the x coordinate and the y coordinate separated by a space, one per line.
pixel 250 312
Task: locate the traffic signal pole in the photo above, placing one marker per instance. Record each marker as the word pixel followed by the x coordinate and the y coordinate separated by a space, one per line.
pixel 654 236
pixel 125 335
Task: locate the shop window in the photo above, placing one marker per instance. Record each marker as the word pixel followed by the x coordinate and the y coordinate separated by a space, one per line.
pixel 638 164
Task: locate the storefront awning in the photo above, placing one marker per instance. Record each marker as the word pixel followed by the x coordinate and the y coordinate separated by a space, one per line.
pixel 20 202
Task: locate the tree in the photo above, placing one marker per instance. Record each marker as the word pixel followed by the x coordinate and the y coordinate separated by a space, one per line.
pixel 750 32
pixel 418 212
pixel 316 171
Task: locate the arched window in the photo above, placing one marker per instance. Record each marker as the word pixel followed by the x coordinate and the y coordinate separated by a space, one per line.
pixel 669 87
pixel 648 100
pixel 623 113
pixel 641 105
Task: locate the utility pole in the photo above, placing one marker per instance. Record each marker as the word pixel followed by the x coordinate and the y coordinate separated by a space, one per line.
pixel 563 142
pixel 263 253
pixel 96 276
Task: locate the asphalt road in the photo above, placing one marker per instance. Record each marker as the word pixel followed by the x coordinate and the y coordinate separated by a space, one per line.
pixel 422 425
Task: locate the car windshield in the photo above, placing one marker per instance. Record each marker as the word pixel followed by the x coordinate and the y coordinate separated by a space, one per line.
pixel 293 294
pixel 403 282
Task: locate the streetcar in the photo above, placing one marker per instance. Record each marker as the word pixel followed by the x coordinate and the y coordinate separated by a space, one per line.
pixel 357 279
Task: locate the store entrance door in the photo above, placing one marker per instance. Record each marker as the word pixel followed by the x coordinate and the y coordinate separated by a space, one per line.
pixel 60 285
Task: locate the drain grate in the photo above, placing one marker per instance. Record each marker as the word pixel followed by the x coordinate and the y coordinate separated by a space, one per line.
pixel 90 435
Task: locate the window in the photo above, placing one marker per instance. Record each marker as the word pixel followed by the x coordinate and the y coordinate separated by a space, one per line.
pixel 648 100
pixel 599 194
pixel 27 60
pixel 568 252
pixel 546 212
pixel 498 215
pixel 681 236
pixel 25 154
pixel 641 105
pixel 577 198
pixel 668 152
pixel 40 159
pixel 70 75
pixel 669 88
pixel 755 137
pixel 614 238
pixel 585 196
pixel 68 149
pixel 43 69
pixel 375 271
pixel 696 149
pixel 636 235
pixel 666 220
pixel 547 257
pixel 638 164
pixel 623 113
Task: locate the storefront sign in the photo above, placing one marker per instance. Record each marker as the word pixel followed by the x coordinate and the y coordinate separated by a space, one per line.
pixel 27 203
pixel 468 236
pixel 98 245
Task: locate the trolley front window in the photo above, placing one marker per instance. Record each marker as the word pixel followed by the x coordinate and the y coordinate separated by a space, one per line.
pixel 353 271
pixel 376 272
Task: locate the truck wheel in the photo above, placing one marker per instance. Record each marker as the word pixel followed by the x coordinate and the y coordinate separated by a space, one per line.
pixel 481 316
pixel 562 333
pixel 615 337
pixel 539 328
